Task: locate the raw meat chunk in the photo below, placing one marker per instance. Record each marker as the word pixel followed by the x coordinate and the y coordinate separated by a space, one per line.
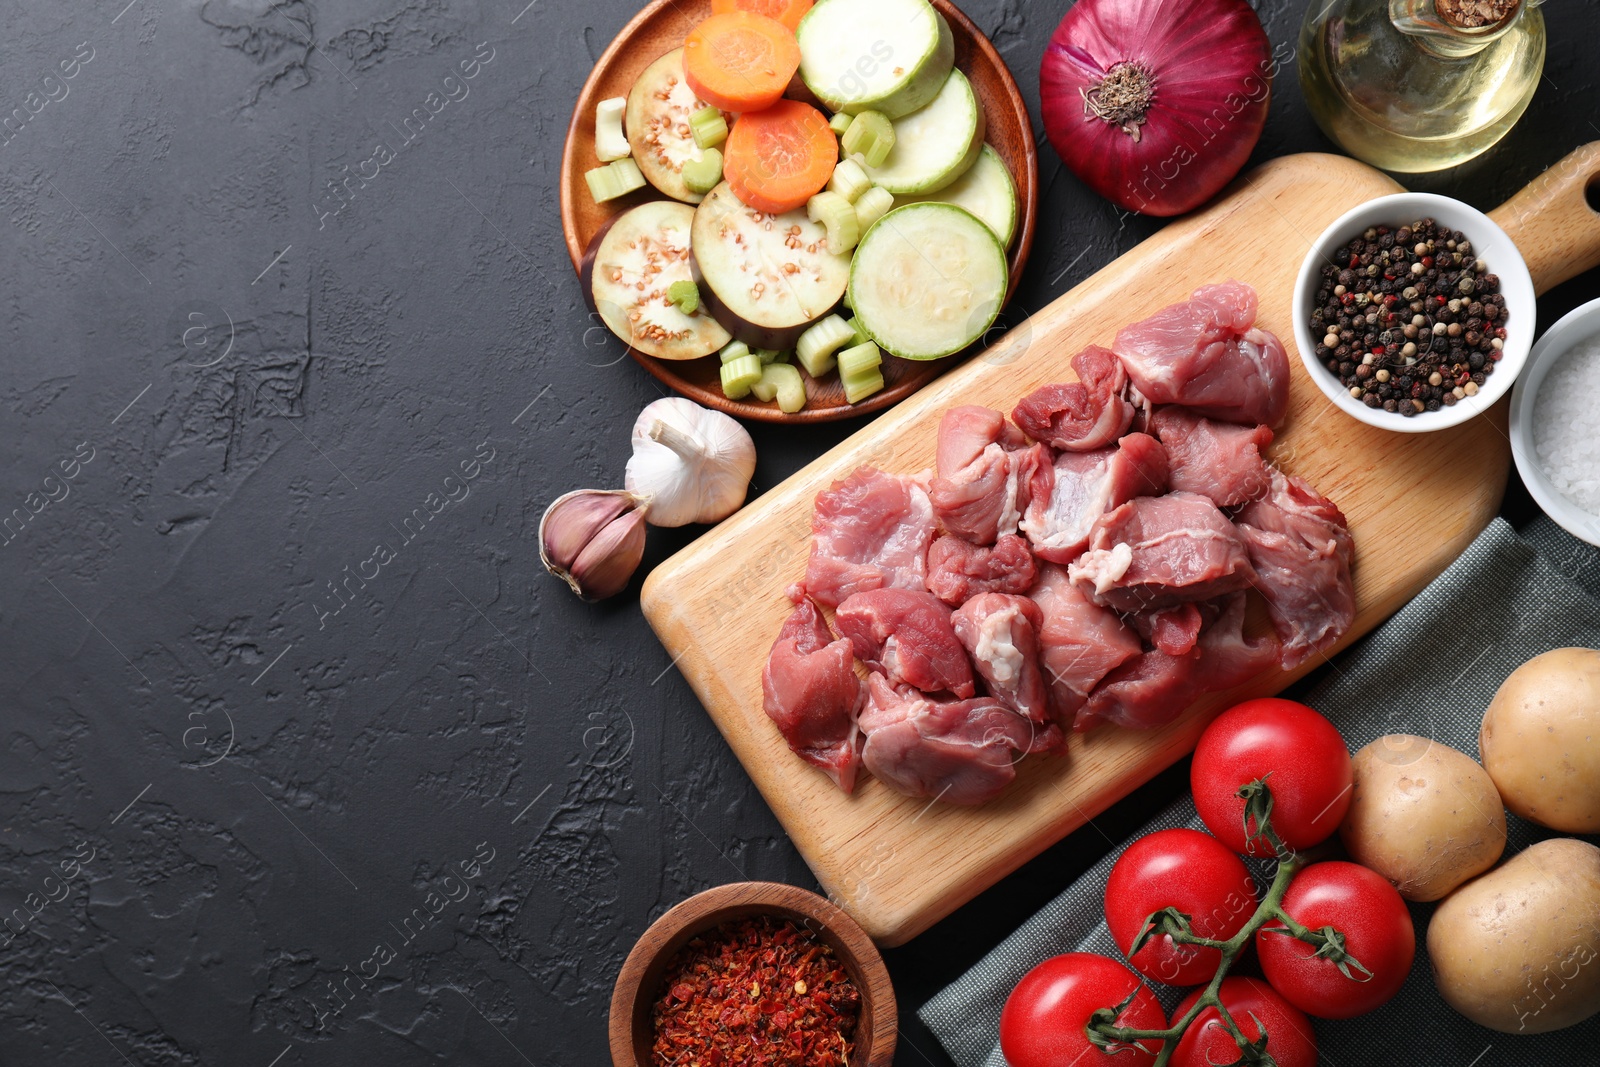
pixel 1154 688
pixel 959 570
pixel 1081 416
pixel 1215 459
pixel 1001 634
pixel 1079 487
pixel 1205 353
pixel 961 752
pixel 1173 630
pixel 1301 547
pixel 908 636
pixel 870 531
pixel 1079 641
pixel 983 473
pixel 1156 552
pixel 810 690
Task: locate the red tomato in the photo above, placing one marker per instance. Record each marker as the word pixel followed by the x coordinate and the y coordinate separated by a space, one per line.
pixel 1255 1006
pixel 1366 909
pixel 1309 765
pixel 1187 870
pixel 1042 1024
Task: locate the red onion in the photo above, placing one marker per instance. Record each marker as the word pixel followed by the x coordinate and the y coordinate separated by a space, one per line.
pixel 1156 104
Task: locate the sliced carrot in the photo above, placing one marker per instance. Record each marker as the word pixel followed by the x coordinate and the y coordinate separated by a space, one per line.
pixel 788 12
pixel 739 61
pixel 775 160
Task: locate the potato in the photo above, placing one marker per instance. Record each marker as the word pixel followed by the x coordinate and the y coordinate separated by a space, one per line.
pixel 1423 815
pixel 1516 950
pixel 1540 740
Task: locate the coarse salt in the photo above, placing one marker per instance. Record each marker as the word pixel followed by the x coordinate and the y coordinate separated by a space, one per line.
pixel 1566 432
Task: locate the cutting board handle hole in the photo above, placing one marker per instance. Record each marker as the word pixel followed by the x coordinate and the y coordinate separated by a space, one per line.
pixel 1591 192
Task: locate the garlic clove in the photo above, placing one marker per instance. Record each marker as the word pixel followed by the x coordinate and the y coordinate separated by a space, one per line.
pixel 586 539
pixel 606 564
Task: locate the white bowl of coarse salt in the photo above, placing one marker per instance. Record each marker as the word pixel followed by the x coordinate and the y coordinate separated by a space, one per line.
pixel 1555 423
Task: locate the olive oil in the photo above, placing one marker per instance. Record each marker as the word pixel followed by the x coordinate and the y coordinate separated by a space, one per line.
pixel 1401 86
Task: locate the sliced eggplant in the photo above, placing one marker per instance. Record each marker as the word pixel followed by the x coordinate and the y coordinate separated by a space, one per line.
pixel 631 265
pixel 766 278
pixel 928 280
pixel 660 107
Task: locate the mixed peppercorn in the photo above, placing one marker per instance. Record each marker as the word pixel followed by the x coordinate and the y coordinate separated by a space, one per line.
pixel 1409 319
pixel 759 992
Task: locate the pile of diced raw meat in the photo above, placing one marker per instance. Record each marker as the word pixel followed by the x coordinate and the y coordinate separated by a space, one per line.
pixel 1087 561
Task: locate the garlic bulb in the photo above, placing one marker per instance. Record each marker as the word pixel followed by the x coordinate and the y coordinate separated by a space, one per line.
pixel 689 464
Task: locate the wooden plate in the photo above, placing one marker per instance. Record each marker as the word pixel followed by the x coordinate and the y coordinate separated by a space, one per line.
pixel 661 27
pixel 640 978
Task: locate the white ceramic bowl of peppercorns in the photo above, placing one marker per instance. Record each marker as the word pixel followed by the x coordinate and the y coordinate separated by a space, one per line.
pixel 1414 312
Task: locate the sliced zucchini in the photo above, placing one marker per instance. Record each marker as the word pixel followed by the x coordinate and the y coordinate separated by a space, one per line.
pixel 928 280
pixel 632 265
pixel 935 146
pixel 609 141
pixel 888 55
pixel 987 190
pixel 765 277
pixel 661 110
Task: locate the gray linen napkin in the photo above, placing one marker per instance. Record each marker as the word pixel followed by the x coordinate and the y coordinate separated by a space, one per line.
pixel 1430 670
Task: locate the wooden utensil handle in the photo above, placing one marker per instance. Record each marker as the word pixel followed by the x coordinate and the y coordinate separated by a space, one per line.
pixel 1555 227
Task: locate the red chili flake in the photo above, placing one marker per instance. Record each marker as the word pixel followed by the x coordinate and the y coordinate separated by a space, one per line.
pixel 1441 300
pixel 1355 261
pixel 1427 261
pixel 1378 351
pixel 758 993
pixel 1391 300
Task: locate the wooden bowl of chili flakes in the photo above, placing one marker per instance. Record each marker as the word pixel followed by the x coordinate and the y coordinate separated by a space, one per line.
pixel 754 974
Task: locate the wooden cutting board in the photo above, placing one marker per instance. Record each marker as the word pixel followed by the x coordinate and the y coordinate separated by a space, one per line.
pixel 1414 502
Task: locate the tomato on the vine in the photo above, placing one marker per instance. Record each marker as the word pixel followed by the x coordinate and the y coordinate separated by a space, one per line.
pixel 1376 932
pixel 1255 1008
pixel 1192 872
pixel 1043 1022
pixel 1301 755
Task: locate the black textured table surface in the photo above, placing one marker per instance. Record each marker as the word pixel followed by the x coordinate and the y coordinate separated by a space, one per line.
pixel 303 759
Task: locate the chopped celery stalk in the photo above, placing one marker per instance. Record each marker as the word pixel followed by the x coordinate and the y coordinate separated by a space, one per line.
pixel 734 350
pixel 818 344
pixel 849 180
pixel 839 216
pixel 861 337
pixel 786 386
pixel 704 174
pixel 860 360
pixel 770 355
pixel 615 179
pixel 858 389
pixel 686 295
pixel 845 300
pixel 871 135
pixel 739 376
pixel 765 389
pixel 873 205
pixel 708 127
pixel 609 141
pixel 839 123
